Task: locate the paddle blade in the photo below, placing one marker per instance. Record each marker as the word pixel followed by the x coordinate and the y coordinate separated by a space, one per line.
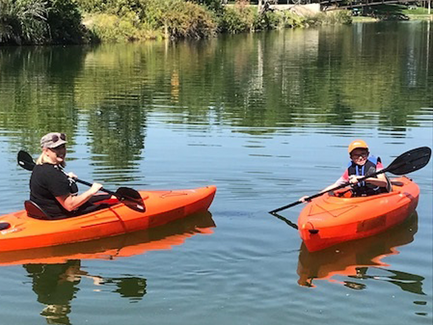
pixel 131 198
pixel 25 160
pixel 410 161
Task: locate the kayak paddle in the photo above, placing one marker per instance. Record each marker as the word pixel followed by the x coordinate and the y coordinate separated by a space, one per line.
pixel 289 223
pixel 128 196
pixel 406 163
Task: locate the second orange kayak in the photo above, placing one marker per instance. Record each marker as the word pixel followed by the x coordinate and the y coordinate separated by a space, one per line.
pixel 329 219
pixel 23 232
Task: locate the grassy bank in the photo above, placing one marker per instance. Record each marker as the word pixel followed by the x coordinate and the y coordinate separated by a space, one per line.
pixel 86 21
pixel 182 19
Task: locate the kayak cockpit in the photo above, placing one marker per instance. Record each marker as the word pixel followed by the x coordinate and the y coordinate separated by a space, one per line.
pixel 36 212
pixel 395 187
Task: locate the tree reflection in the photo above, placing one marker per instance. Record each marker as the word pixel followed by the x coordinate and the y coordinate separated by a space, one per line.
pixel 118 135
pixel 133 288
pixel 37 94
pixel 294 78
pixel 56 285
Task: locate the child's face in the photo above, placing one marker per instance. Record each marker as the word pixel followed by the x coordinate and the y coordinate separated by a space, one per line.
pixel 359 156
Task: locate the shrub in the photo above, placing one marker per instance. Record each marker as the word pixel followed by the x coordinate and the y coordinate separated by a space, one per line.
pixel 335 17
pixel 23 21
pixel 111 28
pixel 238 19
pixel 64 20
pixel 173 19
pixel 188 20
pixel 40 22
pixel 214 5
pixel 108 6
pixel 268 20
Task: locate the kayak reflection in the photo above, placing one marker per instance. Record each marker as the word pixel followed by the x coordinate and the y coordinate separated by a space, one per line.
pixel 56 272
pixel 356 258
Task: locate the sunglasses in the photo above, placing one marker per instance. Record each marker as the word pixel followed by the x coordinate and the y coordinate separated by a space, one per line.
pixel 357 156
pixel 56 138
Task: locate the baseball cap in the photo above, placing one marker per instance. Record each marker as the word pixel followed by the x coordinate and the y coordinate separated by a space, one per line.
pixel 53 140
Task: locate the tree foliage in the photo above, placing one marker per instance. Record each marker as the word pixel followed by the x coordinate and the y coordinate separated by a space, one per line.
pixel 39 22
pixel 135 20
pixel 188 20
pixel 214 5
pixel 238 19
pixel 23 21
pixel 62 22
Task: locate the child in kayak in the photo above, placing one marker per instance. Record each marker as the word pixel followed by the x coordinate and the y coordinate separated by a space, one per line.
pixel 54 191
pixel 361 164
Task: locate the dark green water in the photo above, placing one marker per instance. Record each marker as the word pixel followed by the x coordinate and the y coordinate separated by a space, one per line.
pixel 267 118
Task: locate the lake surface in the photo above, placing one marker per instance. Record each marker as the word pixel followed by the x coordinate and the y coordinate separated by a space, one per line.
pixel 266 118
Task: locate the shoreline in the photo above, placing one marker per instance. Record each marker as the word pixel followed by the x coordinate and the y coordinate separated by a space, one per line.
pixel 366 19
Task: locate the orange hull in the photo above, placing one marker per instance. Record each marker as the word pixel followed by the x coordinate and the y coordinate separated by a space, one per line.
pixel 329 220
pixel 125 245
pixel 161 207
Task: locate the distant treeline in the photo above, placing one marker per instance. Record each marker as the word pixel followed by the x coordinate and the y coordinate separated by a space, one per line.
pixel 32 22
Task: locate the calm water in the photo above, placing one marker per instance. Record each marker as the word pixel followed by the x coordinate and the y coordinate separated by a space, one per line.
pixel 267 118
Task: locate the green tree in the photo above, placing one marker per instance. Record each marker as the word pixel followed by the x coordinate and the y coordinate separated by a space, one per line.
pixel 23 21
pixel 40 22
pixel 64 20
pixel 215 5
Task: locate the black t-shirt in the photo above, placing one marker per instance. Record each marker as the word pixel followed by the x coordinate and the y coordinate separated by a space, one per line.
pixel 46 183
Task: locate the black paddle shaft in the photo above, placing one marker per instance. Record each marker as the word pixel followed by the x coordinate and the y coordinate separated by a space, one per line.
pixel 406 163
pixel 90 185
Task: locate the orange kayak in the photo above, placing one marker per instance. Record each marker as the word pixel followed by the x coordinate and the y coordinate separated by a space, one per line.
pixel 24 232
pixel 331 219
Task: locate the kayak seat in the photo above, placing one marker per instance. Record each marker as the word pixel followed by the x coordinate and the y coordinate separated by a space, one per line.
pixel 35 211
pixel 4 225
pixel 342 193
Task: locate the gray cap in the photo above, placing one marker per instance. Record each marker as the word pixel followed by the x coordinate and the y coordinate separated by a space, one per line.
pixel 53 140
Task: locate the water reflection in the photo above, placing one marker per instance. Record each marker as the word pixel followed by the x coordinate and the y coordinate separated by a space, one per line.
pixel 56 272
pixel 56 285
pixel 133 288
pixel 406 281
pixel 355 260
pixel 118 131
pixel 294 79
